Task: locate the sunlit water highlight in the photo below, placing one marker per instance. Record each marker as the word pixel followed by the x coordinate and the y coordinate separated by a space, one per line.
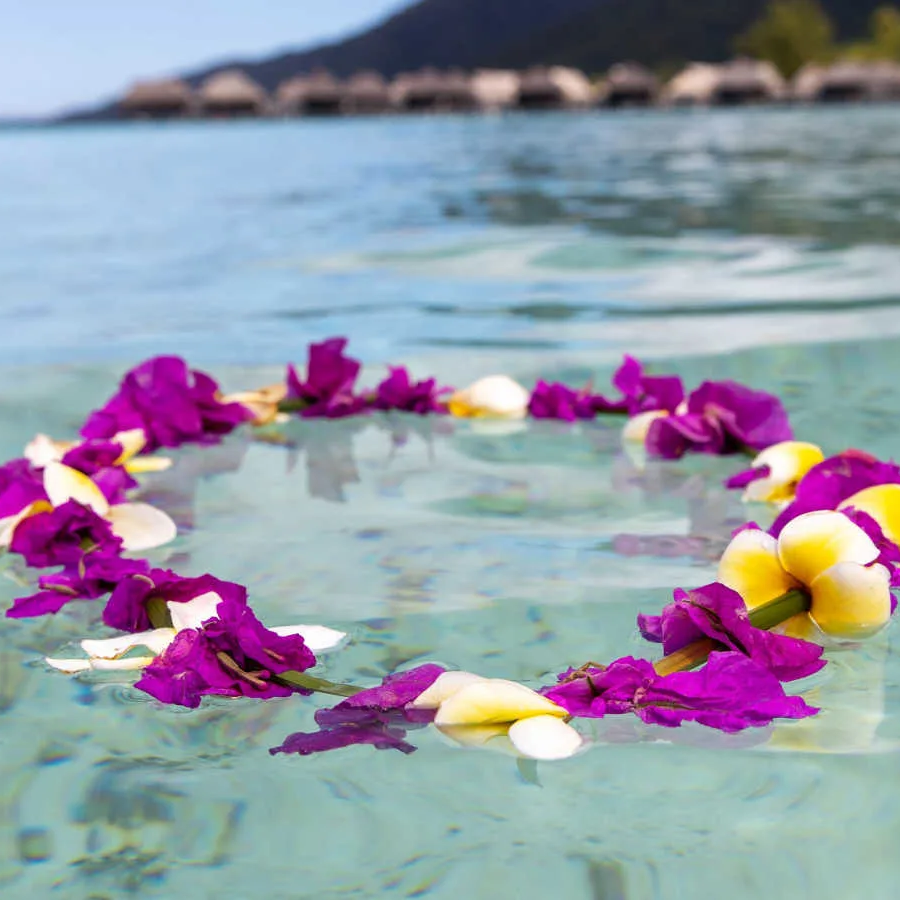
pixel 758 245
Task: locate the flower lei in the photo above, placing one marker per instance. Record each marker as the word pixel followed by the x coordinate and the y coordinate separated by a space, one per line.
pixel 823 573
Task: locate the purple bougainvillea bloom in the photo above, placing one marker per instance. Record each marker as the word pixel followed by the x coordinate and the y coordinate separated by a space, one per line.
pixel 834 480
pixel 171 403
pixel 643 393
pixel 721 417
pixel 396 691
pixel 232 655
pixel 97 459
pixel 330 381
pixel 376 716
pixel 730 693
pixel 93 576
pixel 61 536
pixel 748 476
pixel 127 607
pixel 558 401
pixel 715 611
pixel 399 392
pixel 21 484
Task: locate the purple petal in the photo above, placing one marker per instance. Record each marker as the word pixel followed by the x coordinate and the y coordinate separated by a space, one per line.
pixel 748 476
pixel 396 690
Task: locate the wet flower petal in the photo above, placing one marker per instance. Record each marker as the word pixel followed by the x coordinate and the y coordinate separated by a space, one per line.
pixel 496 396
pixel 851 601
pixel 193 613
pixel 155 640
pixel 63 483
pixel 493 702
pixel 816 541
pixel 637 427
pixel 882 503
pixel 750 565
pixel 787 462
pixel 444 686
pixel 319 638
pixel 545 737
pixel 141 526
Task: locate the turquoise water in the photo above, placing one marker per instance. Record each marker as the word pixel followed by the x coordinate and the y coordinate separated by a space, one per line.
pixel 759 245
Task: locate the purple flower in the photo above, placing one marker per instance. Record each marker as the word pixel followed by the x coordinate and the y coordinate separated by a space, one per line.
pixel 834 480
pixel 233 655
pixel 62 536
pixel 127 607
pixel 171 403
pixel 715 611
pixel 730 693
pixel 741 479
pixel 558 401
pixel 20 486
pixel 643 393
pixel 92 576
pixel 98 460
pixel 376 716
pixel 399 392
pixel 330 380
pixel 721 417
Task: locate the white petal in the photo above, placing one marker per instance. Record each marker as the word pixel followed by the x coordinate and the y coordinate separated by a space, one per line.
pixel 122 665
pixel 63 483
pixel 10 523
pixel 788 462
pixel 493 702
pixel 69 666
pixel 850 601
pixel 545 737
pixel 444 687
pixel 141 526
pixel 495 396
pixel 318 638
pixel 195 612
pixel 42 450
pixel 636 428
pixel 144 464
pixel 111 648
pixel 131 442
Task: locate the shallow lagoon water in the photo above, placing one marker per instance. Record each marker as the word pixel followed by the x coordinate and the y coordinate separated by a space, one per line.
pixel 759 245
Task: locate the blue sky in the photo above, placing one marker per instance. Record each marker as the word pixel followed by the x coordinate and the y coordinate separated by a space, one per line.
pixel 56 54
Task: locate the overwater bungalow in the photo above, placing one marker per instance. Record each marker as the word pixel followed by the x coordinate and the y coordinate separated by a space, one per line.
pixel 366 93
pixel 431 91
pixel 494 89
pixel 847 82
pixel 692 86
pixel 231 93
pixel 628 84
pixel 555 87
pixel 318 94
pixel 747 81
pixel 166 98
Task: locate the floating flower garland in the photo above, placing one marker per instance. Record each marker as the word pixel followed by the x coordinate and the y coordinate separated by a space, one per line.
pixel 823 572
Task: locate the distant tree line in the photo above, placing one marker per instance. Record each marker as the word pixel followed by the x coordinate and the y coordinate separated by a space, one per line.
pixel 792 33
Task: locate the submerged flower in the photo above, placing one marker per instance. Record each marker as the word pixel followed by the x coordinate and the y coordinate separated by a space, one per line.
pixel 720 417
pixel 730 693
pixel 717 612
pixel 329 385
pixel 774 475
pixel 170 403
pixel 399 392
pixel 822 553
pixel 493 397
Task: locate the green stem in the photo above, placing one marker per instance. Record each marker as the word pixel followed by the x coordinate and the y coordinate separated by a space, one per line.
pixel 311 683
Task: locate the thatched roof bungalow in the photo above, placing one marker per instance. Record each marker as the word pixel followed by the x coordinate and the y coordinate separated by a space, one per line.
pixel 318 94
pixel 628 84
pixel 431 91
pixel 556 87
pixel 165 98
pixel 366 92
pixel 232 93
pixel 847 82
pixel 747 81
pixel 494 89
pixel 692 86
